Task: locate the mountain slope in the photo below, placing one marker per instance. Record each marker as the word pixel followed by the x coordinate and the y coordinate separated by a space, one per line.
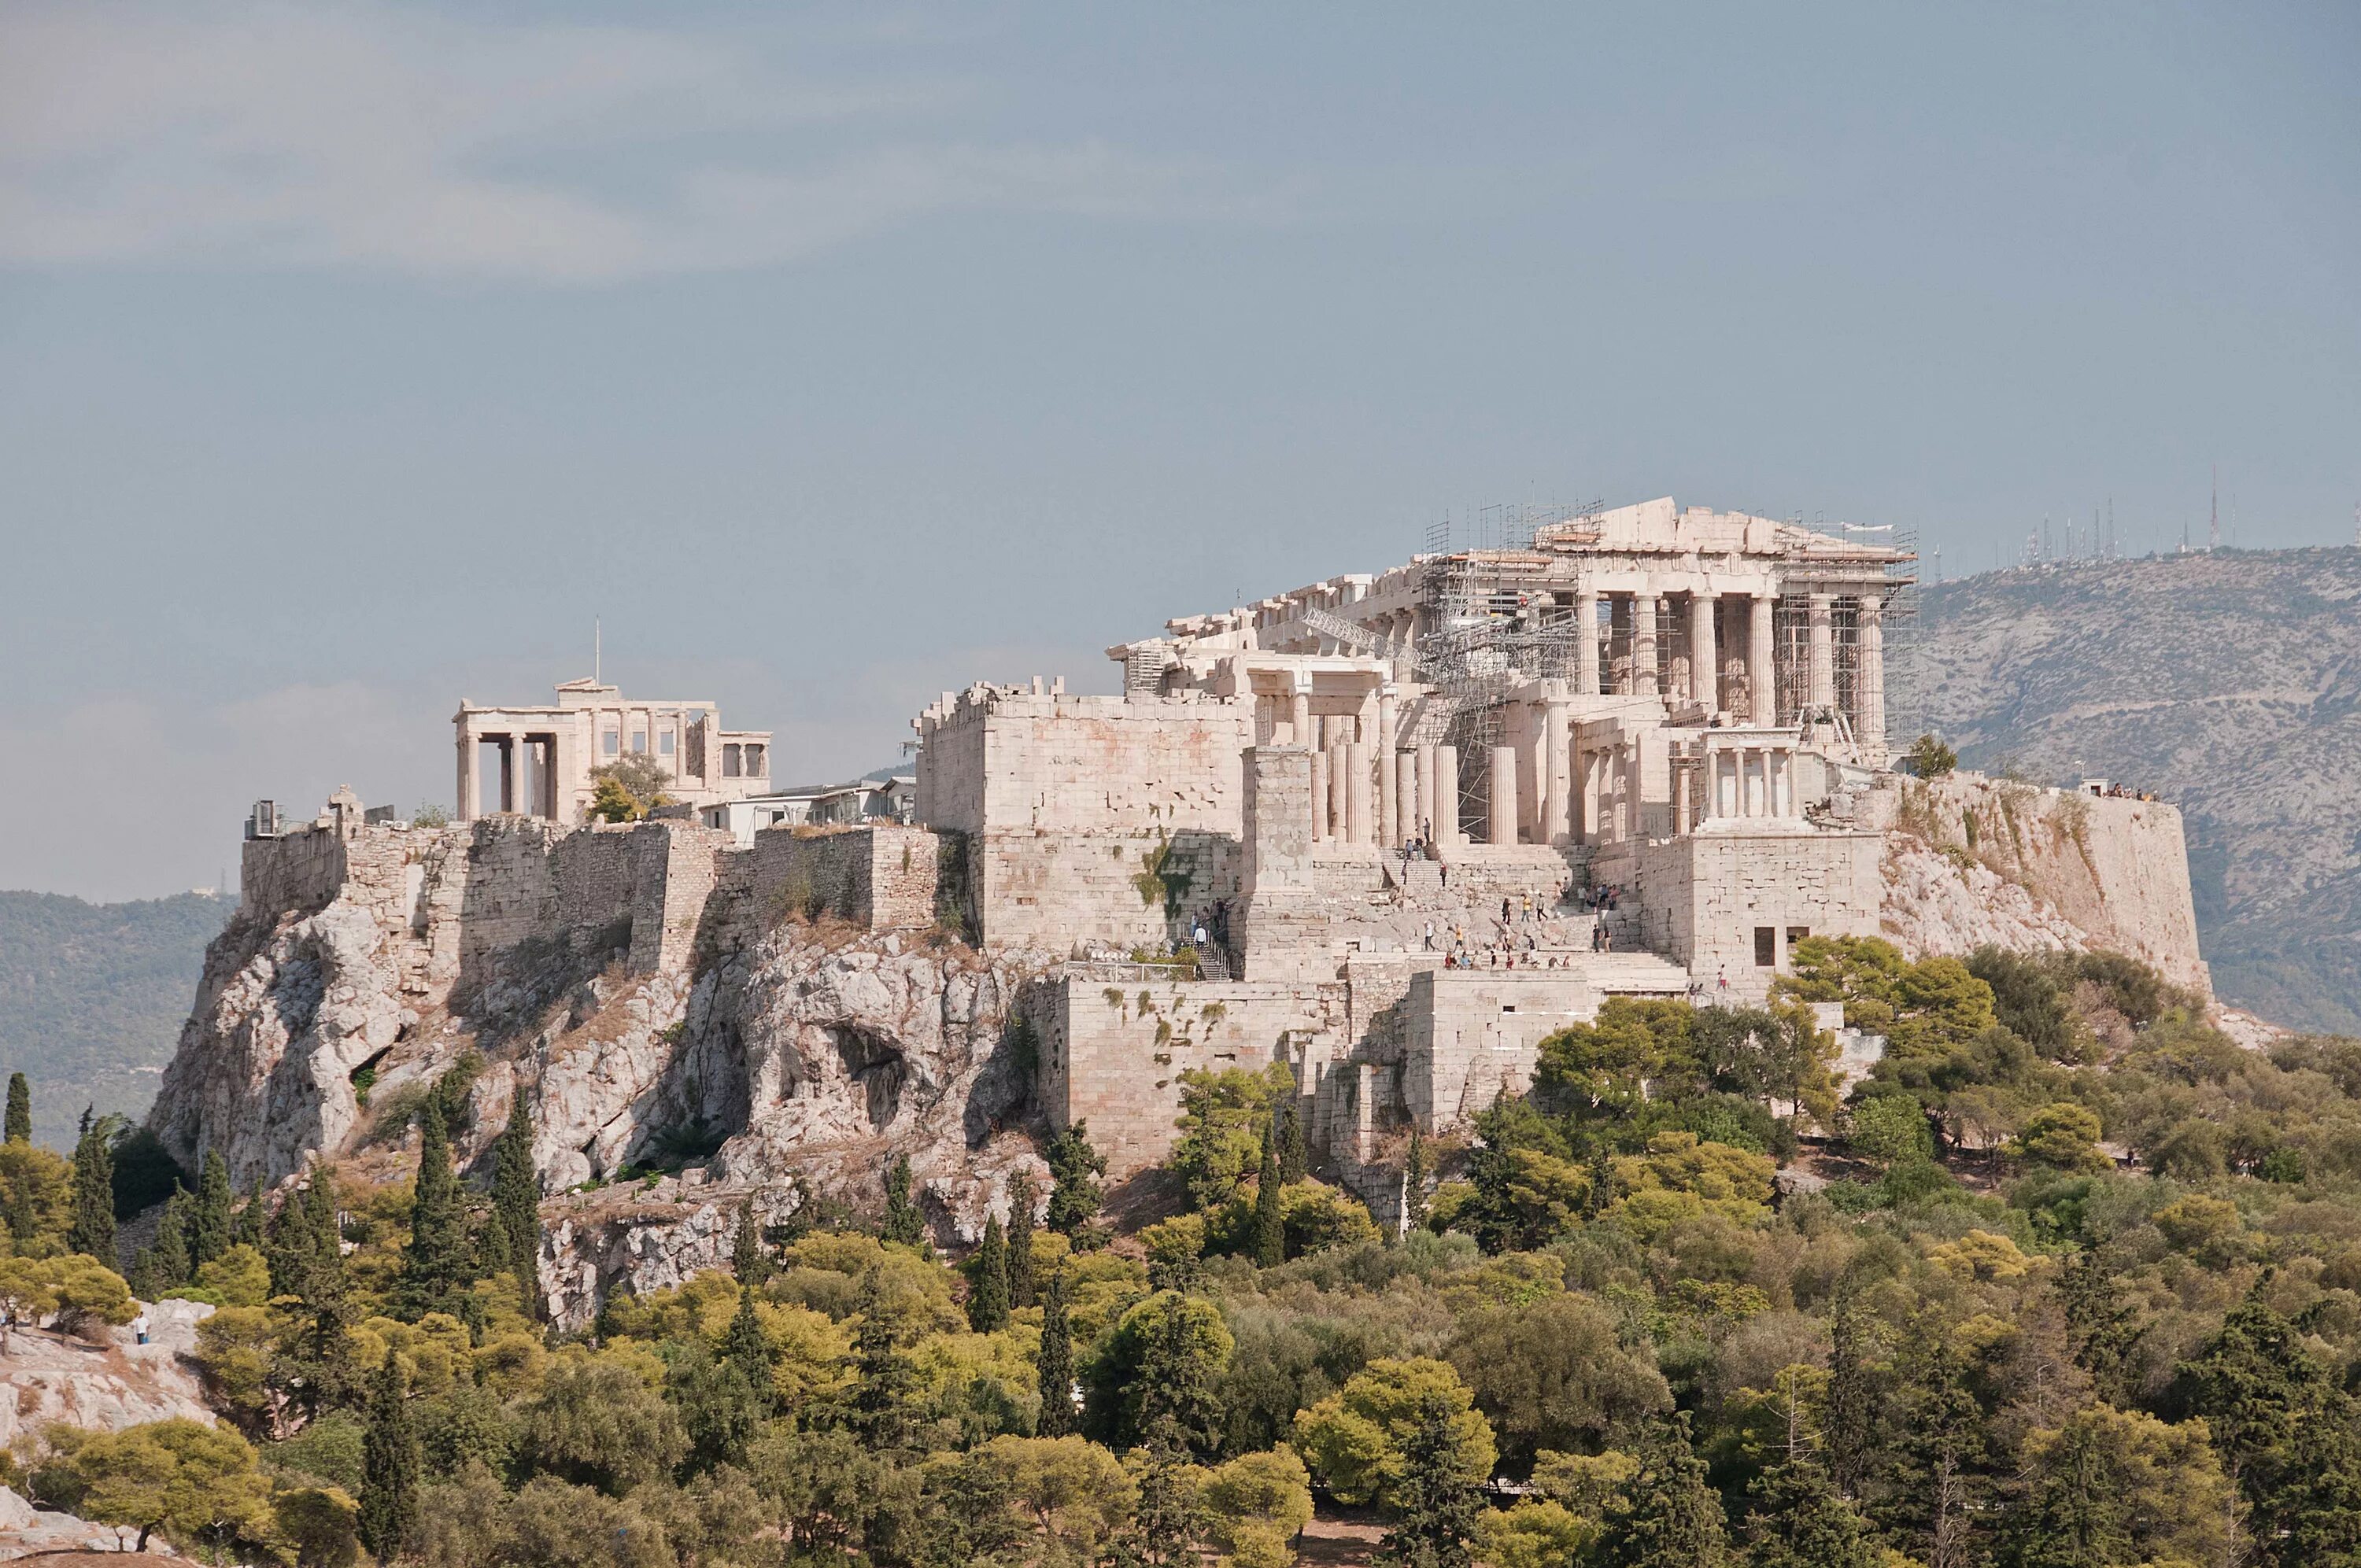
pixel 2229 683
pixel 93 995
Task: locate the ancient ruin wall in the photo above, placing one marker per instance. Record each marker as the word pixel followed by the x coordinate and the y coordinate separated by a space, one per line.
pixel 1708 892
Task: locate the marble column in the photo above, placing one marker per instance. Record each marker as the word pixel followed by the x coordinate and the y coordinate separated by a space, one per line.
pixel 1824 650
pixel 1446 809
pixel 1644 645
pixel 1869 682
pixel 1680 799
pixel 1428 817
pixel 1299 723
pixel 1705 663
pixel 1502 816
pixel 1340 789
pixel 1761 671
pixel 1585 647
pixel 1555 774
pixel 1318 796
pixel 1405 792
pixel 1388 813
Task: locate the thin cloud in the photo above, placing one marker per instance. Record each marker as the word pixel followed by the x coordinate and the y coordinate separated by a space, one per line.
pixel 349 136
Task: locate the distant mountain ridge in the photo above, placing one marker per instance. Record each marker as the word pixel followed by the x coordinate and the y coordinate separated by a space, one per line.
pixel 2228 682
pixel 92 997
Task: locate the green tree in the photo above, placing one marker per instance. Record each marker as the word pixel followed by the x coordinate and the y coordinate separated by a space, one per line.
pixel 2063 1135
pixel 885 1380
pixel 1021 1285
pixel 1436 1504
pixel 389 1465
pixel 745 1348
pixel 1552 1373
pixel 1269 1245
pixel 436 1265
pixel 2263 1393
pixel 904 1223
pixel 253 1227
pixel 1930 758
pixel 1357 1439
pixel 596 1423
pixel 93 1213
pixel 1074 1169
pixel 987 1289
pixel 322 1523
pixel 1055 1363
pixel 1938 1481
pixel 1224 1114
pixel 1890 1128
pixel 168 1259
pixel 1670 1517
pixel 21 1109
pixel 516 1192
pixel 199 1484
pixel 1294 1148
pixel 1159 1372
pixel 211 1224
pixel 747 1265
pixel 1414 1178
pixel 1800 1522
pixel 2114 1487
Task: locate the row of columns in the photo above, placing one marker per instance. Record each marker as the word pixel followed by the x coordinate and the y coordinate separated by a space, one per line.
pixel 1703 685
pixel 1384 796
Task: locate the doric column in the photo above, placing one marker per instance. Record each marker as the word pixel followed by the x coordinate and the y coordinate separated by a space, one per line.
pixel 1633 825
pixel 1680 799
pixel 1644 645
pixel 1426 818
pixel 1405 771
pixel 1869 682
pixel 1319 796
pixel 1300 717
pixel 1585 647
pixel 1388 813
pixel 1705 664
pixel 1446 809
pixel 1503 813
pixel 1824 650
pixel 1361 794
pixel 1761 672
pixel 1340 785
pixel 1556 776
pixel 1577 807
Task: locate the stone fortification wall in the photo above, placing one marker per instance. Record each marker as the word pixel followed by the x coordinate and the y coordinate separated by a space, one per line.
pixel 882 876
pixel 1115 1040
pixel 1472 1033
pixel 1707 893
pixel 1002 760
pixel 1126 889
pixel 2115 871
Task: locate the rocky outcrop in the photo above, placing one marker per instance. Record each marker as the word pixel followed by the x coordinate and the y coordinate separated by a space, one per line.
pixel 107 1384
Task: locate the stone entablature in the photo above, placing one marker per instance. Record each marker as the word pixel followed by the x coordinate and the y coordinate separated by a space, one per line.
pixel 537 760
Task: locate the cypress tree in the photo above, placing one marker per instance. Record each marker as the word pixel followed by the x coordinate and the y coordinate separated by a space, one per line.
pixel 289 1248
pixel 885 1380
pixel 320 1225
pixel 253 1227
pixel 1055 1363
pixel 746 1259
pixel 168 1260
pixel 1074 1170
pixel 210 1226
pixel 21 1109
pixel 1800 1522
pixel 1269 1224
pixel 389 1466
pixel 1673 1518
pixel 1414 1173
pixel 516 1192
pixel 1436 1506
pixel 987 1288
pixel 436 1266
pixel 903 1222
pixel 1021 1290
pixel 1294 1153
pixel 94 1221
pixel 744 1348
pixel 1851 1396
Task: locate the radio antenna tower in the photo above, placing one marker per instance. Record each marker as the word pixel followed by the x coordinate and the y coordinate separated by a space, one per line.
pixel 2214 527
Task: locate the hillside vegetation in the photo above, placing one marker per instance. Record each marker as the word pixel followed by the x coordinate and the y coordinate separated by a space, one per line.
pixel 91 996
pixel 2231 683
pixel 1958 1335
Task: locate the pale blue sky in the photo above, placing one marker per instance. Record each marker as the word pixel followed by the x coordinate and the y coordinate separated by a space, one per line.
pixel 353 359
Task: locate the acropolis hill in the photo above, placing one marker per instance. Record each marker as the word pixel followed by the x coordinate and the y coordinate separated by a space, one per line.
pixel 1399 827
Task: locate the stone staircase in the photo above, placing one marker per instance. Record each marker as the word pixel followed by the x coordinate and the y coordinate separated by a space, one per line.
pixel 1213 962
pixel 1632 973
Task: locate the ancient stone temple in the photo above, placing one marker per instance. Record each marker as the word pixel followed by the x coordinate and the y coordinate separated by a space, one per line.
pixel 537 762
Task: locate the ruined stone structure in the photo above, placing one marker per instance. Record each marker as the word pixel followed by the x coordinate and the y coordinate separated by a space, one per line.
pixel 536 762
pixel 1387 832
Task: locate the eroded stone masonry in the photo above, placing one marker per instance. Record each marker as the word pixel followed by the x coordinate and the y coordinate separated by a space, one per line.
pixel 1398 829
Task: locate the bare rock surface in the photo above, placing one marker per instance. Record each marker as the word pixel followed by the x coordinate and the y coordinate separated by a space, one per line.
pixel 103 1386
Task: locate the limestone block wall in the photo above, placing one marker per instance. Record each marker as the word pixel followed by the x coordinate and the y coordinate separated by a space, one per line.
pixel 1115 1060
pixel 882 876
pixel 1130 889
pixel 2115 869
pixel 1473 1033
pixel 1705 895
pixel 1057 763
pixel 1491 871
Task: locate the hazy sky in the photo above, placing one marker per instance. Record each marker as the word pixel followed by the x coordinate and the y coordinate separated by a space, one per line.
pixel 353 359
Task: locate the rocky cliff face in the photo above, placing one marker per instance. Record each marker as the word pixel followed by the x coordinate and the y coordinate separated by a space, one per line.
pixel 2231 683
pixel 769 1049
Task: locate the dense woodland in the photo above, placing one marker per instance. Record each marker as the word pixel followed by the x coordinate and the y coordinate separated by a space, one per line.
pixel 2072 1281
